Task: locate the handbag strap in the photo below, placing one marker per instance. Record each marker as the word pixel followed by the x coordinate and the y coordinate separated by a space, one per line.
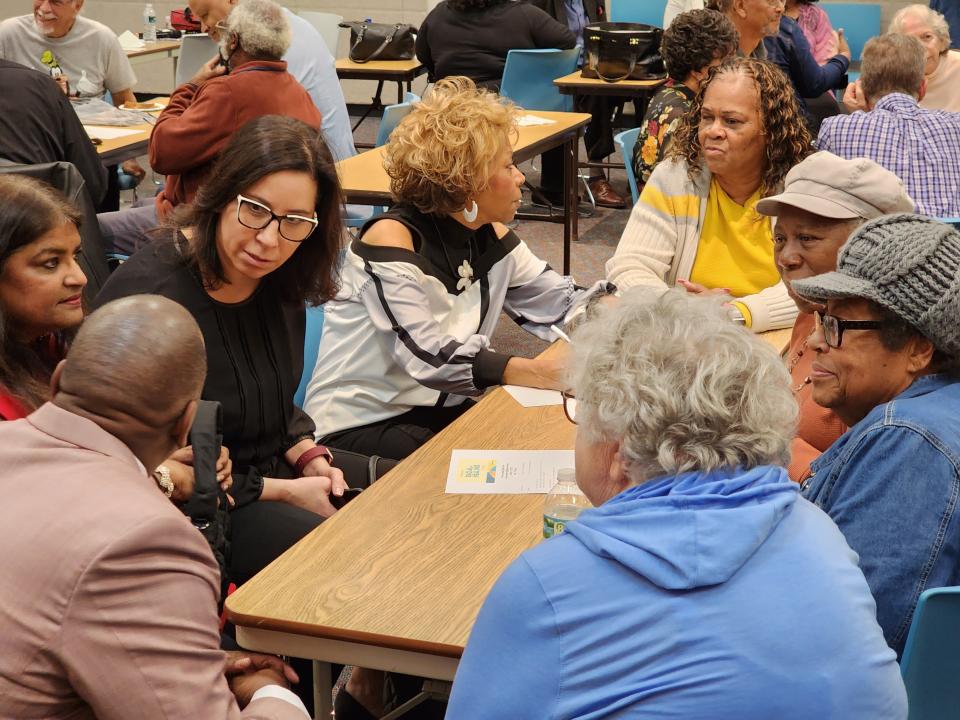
pixel 633 64
pixel 376 53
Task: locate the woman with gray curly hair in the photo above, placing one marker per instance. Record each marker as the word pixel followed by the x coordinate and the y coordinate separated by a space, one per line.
pixel 942 68
pixel 702 584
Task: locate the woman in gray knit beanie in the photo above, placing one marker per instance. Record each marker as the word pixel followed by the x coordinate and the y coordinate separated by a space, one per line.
pixel 887 349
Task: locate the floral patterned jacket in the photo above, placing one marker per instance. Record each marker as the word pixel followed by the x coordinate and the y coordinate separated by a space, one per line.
pixel 665 109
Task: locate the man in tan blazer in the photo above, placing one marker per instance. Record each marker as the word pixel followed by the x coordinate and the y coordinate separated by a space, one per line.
pixel 108 599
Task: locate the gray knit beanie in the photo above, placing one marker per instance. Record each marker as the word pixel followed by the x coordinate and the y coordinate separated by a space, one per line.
pixel 908 264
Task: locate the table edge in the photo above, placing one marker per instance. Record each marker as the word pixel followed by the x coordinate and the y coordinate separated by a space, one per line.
pixel 351 636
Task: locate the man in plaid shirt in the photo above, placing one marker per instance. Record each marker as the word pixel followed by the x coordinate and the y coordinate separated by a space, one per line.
pixel 922 147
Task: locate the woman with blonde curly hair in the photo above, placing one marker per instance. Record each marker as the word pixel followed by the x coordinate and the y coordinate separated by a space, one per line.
pixel 696 223
pixel 406 342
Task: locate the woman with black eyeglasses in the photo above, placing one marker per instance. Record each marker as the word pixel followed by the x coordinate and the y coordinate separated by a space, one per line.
pixel 888 364
pixel 260 241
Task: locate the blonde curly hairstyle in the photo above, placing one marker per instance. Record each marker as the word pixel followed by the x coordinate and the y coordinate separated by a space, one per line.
pixel 443 152
pixel 784 128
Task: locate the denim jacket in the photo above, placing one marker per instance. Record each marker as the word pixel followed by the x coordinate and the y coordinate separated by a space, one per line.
pixel 891 483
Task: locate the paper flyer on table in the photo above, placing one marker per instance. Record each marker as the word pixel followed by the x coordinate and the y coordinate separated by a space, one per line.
pixel 528 120
pixel 105 132
pixel 513 472
pixel 534 397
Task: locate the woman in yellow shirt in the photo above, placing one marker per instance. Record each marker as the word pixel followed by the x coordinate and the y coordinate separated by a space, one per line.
pixel 696 222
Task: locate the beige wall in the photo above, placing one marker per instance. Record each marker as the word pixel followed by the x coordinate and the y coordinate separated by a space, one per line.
pixel 123 15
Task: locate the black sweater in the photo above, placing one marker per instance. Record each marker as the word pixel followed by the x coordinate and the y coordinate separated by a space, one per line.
pixel 254 358
pixel 475 43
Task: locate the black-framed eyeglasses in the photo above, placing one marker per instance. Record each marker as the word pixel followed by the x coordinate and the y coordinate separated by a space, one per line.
pixel 569 405
pixel 833 327
pixel 256 216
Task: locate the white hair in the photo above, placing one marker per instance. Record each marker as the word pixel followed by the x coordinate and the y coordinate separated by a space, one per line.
pixel 260 27
pixel 680 387
pixel 934 20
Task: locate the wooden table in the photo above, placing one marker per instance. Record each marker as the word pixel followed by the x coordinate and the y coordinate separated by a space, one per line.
pixel 365 181
pixel 575 84
pixel 398 71
pixel 395 580
pixel 114 151
pixel 156 50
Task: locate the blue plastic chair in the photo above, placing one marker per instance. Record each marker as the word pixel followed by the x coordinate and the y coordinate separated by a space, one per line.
pixel 649 12
pixel 860 22
pixel 528 77
pixel 955 221
pixel 931 658
pixel 311 348
pixel 626 141
pixel 392 115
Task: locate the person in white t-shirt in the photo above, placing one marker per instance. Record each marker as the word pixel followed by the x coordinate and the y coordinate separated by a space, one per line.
pixel 86 53
pixel 82 55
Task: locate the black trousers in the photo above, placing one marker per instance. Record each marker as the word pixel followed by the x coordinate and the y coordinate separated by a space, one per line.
pixel 399 436
pixel 598 138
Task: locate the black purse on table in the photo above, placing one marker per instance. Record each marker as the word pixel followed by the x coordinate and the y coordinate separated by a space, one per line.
pixel 622 51
pixel 380 41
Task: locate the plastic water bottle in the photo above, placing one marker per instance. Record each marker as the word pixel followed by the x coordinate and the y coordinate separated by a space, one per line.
pixel 149 23
pixel 563 503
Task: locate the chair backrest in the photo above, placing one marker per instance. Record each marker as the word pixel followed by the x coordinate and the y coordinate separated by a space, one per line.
pixel 195 50
pixel 392 115
pixel 529 74
pixel 311 348
pixel 65 177
pixel 931 658
pixel 649 12
pixel 860 22
pixel 327 24
pixel 626 142
pixel 955 221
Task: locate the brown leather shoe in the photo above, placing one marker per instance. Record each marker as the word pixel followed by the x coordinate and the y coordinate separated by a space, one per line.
pixel 605 195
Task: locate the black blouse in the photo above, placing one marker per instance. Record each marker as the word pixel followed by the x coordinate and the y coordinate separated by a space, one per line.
pixel 254 355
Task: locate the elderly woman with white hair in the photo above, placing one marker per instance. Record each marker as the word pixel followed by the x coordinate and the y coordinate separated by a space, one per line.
pixel 246 80
pixel 942 71
pixel 702 584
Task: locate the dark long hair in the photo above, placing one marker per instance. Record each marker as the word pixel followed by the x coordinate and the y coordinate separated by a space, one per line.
pixel 29 209
pixel 266 145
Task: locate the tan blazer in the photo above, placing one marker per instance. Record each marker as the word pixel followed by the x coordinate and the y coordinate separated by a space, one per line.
pixel 108 596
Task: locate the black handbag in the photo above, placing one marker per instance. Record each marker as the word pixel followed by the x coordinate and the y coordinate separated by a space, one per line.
pixel 622 51
pixel 379 41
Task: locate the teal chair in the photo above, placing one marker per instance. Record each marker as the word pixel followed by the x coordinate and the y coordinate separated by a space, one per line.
pixel 648 12
pixel 392 115
pixel 931 658
pixel 528 77
pixel 311 348
pixel 860 22
pixel 626 141
pixel 955 221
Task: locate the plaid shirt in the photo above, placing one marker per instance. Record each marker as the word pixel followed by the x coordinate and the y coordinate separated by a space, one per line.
pixel 921 147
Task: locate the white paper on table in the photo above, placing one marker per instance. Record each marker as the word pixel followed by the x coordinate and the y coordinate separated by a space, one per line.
pixel 106 132
pixel 129 41
pixel 528 120
pixel 534 397
pixel 511 472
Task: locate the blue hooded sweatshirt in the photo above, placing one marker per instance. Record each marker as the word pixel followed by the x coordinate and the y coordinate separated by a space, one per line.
pixel 715 596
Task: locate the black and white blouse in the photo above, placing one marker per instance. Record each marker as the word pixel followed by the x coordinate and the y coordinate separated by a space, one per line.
pixel 412 328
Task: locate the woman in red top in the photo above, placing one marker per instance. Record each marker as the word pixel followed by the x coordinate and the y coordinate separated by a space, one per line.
pixel 40 289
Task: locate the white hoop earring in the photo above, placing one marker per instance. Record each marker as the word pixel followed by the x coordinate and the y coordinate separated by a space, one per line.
pixel 471 214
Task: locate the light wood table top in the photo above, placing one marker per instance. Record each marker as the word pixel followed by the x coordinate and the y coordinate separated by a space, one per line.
pixel 364 179
pixel 168 48
pixel 398 70
pixel 576 84
pixel 405 566
pixel 116 150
